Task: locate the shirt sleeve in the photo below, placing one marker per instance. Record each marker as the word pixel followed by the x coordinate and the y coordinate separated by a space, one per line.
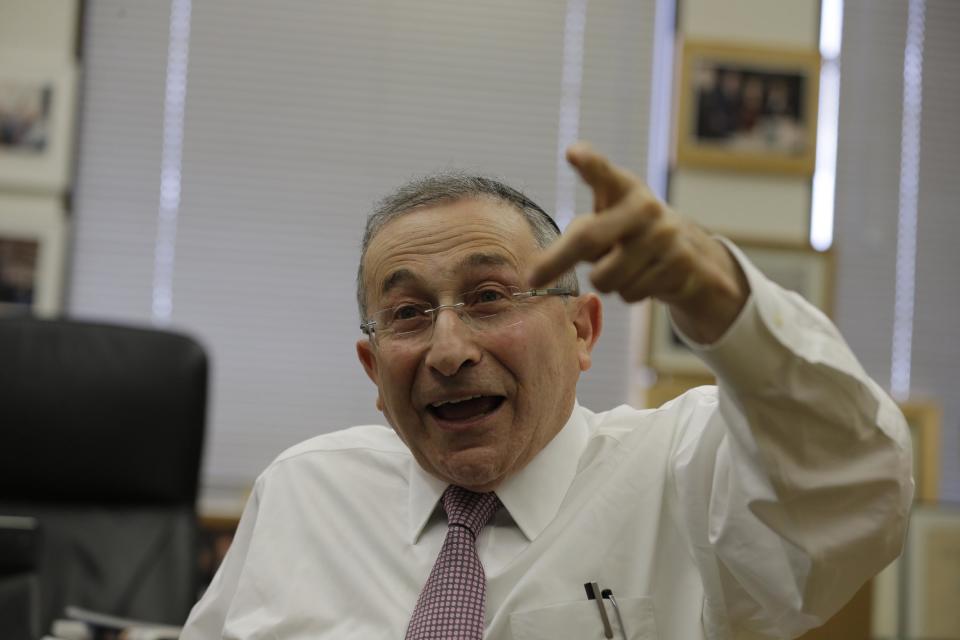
pixel 207 618
pixel 797 490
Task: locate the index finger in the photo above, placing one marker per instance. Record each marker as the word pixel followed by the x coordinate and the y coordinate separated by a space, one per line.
pixel 588 237
pixel 608 182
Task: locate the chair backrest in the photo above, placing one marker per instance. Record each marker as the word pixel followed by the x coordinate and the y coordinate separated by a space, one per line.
pixel 101 434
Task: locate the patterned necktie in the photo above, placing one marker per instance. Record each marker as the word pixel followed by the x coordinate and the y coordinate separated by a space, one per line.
pixel 450 605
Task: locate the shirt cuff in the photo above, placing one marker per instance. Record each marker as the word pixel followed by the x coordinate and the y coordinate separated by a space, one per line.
pixel 752 332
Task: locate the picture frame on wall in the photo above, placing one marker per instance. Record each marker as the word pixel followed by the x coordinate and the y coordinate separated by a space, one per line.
pixel 797 267
pixel 924 418
pixel 33 232
pixel 747 108
pixel 668 386
pixel 916 595
pixel 37 113
pixel 932 559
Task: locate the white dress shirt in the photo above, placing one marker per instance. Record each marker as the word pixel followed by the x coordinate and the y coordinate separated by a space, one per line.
pixel 761 505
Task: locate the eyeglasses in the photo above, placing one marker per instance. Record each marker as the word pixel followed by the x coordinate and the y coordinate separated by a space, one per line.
pixel 488 307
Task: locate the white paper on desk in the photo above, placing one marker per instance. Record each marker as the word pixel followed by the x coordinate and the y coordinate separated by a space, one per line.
pixel 133 629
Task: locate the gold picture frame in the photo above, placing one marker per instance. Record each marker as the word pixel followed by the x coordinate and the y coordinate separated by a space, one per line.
pixel 747 108
pixel 33 240
pixel 668 387
pixel 915 596
pixel 924 418
pixel 794 266
pixel 37 116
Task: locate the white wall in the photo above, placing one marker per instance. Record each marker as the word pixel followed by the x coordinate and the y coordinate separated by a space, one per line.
pixel 46 26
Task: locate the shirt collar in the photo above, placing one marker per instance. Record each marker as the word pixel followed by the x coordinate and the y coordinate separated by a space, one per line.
pixel 532 496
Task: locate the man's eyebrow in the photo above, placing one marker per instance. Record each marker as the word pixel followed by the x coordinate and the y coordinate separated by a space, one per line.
pixel 484 260
pixel 397 278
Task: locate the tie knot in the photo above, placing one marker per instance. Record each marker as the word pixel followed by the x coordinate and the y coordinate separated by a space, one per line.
pixel 469 509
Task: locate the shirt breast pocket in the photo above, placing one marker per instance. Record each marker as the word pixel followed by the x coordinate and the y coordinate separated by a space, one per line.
pixel 581 621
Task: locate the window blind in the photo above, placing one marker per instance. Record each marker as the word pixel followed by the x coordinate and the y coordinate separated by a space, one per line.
pixel 868 176
pixel 867 196
pixel 298 117
pixel 936 341
pixel 118 162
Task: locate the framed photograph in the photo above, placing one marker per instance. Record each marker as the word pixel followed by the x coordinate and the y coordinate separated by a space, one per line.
pixel 32 246
pixel 923 418
pixel 37 112
pixel 917 595
pixel 793 266
pixel 747 108
pixel 932 561
pixel 667 387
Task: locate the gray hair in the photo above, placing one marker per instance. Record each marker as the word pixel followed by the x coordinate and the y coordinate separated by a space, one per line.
pixel 443 188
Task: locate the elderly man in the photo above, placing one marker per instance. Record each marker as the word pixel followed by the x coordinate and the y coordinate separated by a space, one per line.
pixel 495 506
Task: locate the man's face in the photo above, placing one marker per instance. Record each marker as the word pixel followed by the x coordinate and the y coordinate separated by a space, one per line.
pixel 474 406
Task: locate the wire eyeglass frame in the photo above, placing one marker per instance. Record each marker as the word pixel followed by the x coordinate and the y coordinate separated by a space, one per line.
pixel 468 306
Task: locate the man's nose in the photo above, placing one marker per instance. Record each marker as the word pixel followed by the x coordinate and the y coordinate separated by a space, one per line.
pixel 452 345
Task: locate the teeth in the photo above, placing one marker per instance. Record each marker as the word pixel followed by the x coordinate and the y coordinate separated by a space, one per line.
pixel 440 404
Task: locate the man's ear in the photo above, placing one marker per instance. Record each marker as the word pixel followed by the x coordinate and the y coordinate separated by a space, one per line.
pixel 368 358
pixel 588 320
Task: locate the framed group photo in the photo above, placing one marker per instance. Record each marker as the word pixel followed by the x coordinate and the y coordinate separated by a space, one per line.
pixel 37 105
pixel 747 108
pixel 796 267
pixel 32 248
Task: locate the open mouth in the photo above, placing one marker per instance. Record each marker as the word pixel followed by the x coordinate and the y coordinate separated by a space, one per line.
pixel 465 409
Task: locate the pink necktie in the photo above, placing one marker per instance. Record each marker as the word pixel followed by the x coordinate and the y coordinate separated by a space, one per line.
pixel 450 606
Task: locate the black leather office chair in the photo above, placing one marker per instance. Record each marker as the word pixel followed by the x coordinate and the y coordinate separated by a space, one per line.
pixel 101 432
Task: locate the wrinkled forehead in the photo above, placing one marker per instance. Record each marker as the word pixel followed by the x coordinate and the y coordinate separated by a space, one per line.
pixel 447 244
pixel 460 274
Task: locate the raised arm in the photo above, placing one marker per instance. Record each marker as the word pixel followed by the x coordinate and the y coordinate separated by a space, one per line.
pixel 797 489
